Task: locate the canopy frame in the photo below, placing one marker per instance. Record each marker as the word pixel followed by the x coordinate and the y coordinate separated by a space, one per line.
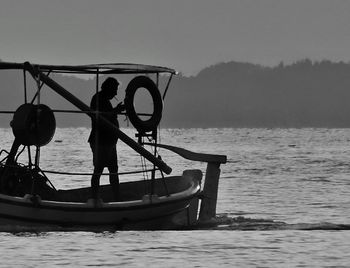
pixel 105 68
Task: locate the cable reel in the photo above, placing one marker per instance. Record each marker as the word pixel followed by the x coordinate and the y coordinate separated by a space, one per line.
pixel 33 124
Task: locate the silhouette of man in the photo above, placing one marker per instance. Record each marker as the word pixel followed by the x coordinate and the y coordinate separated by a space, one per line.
pixel 103 138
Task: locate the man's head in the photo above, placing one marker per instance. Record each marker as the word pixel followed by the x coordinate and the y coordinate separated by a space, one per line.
pixel 110 87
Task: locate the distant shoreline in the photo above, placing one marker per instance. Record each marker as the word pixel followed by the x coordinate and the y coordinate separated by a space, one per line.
pixel 305 94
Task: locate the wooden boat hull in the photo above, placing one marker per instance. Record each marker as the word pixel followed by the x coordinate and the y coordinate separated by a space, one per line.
pixel 176 210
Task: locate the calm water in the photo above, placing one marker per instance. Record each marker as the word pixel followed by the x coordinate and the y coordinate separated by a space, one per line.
pixel 284 201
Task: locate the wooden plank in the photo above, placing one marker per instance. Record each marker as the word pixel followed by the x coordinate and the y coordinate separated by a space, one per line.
pixel 209 158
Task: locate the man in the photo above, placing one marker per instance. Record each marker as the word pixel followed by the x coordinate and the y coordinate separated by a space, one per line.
pixel 103 138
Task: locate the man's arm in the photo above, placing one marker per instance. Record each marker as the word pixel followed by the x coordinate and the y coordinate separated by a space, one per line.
pixel 119 108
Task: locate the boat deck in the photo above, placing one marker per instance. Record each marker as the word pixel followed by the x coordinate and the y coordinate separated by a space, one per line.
pixel 129 190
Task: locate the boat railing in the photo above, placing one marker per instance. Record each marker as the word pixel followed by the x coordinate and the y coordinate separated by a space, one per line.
pixel 90 174
pixel 44 171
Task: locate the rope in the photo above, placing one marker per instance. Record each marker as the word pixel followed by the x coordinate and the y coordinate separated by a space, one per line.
pixel 144 168
pixel 90 174
pixel 80 173
pixel 145 174
pixel 37 94
pixel 20 152
pixel 47 179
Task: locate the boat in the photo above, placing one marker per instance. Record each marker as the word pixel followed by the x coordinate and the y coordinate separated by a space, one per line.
pixel 28 198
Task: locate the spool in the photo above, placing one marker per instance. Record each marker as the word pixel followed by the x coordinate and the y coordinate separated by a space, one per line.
pixel 33 124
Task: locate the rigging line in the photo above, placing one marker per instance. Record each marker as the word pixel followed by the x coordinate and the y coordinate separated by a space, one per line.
pixel 79 174
pixel 1 162
pixel 159 138
pixel 29 157
pixel 156 152
pixel 145 174
pixel 144 168
pixel 85 112
pixel 78 112
pixel 19 153
pixel 31 172
pixel 164 183
pixel 90 174
pixel 39 89
pixel 4 151
pixel 43 174
pixel 37 149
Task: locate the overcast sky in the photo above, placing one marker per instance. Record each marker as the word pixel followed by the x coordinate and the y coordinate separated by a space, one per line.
pixel 184 34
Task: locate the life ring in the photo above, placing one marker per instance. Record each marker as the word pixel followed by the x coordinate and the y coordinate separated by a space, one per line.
pixel 151 124
pixel 33 124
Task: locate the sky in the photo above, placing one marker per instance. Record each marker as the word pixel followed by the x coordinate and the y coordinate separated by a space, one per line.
pixel 187 35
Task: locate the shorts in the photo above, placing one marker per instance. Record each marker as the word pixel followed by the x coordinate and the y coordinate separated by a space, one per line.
pixel 104 155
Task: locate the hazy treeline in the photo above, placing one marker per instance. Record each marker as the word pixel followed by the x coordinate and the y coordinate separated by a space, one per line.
pixel 233 94
pixel 304 94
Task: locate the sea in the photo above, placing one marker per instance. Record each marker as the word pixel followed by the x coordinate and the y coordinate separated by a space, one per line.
pixel 283 201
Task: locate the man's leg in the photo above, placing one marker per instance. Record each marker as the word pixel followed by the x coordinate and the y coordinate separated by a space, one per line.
pixel 114 181
pixel 98 169
pixel 113 172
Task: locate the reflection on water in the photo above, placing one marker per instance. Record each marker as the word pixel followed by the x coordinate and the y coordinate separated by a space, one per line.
pixel 284 200
pixel 288 248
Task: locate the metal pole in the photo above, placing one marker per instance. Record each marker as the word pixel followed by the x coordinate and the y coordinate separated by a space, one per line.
pixel 167 86
pixel 25 86
pixel 82 106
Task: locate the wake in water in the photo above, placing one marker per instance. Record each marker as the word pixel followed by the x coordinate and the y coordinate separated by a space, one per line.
pixel 224 222
pixel 220 222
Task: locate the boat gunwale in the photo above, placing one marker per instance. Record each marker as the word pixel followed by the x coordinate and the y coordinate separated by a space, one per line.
pixel 187 194
pixel 62 225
